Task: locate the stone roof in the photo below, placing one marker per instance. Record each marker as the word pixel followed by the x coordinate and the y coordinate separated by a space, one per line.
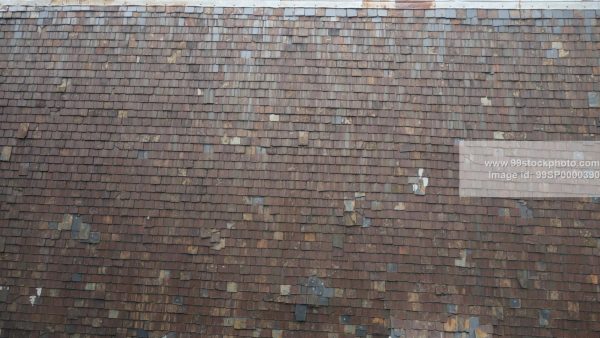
pixel 210 172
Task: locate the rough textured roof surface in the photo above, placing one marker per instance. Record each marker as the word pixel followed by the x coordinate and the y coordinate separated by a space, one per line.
pixel 208 172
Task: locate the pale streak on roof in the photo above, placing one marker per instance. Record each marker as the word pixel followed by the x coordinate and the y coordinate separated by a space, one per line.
pixel 483 4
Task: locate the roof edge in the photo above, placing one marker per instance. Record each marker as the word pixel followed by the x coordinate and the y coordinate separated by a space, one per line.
pixel 10 5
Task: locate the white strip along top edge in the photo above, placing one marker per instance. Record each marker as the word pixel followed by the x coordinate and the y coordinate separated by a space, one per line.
pixel 390 4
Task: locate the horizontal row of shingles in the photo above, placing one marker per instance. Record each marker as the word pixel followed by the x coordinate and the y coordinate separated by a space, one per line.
pixel 334 120
pixel 377 34
pixel 293 173
pixel 406 43
pixel 256 79
pixel 342 113
pixel 177 193
pixel 389 98
pixel 100 140
pixel 356 80
pixel 87 19
pixel 165 11
pixel 272 48
pixel 149 278
pixel 302 48
pixel 409 215
pixel 522 312
pixel 573 244
pixel 210 207
pixel 271 71
pixel 413 243
pixel 331 134
pixel 286 221
pixel 322 153
pixel 362 280
pixel 341 146
pixel 117 297
pixel 404 128
pixel 134 74
pixel 289 37
pixel 230 195
pixel 493 257
pixel 583 18
pixel 276 120
pixel 333 96
pixel 84 104
pixel 373 132
pixel 203 69
pixel 350 49
pixel 233 170
pixel 502 28
pixel 343 139
pixel 388 34
pixel 223 198
pixel 392 171
pixel 393 88
pixel 256 26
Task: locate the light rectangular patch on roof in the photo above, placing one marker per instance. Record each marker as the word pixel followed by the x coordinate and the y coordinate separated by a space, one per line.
pixel 526 169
